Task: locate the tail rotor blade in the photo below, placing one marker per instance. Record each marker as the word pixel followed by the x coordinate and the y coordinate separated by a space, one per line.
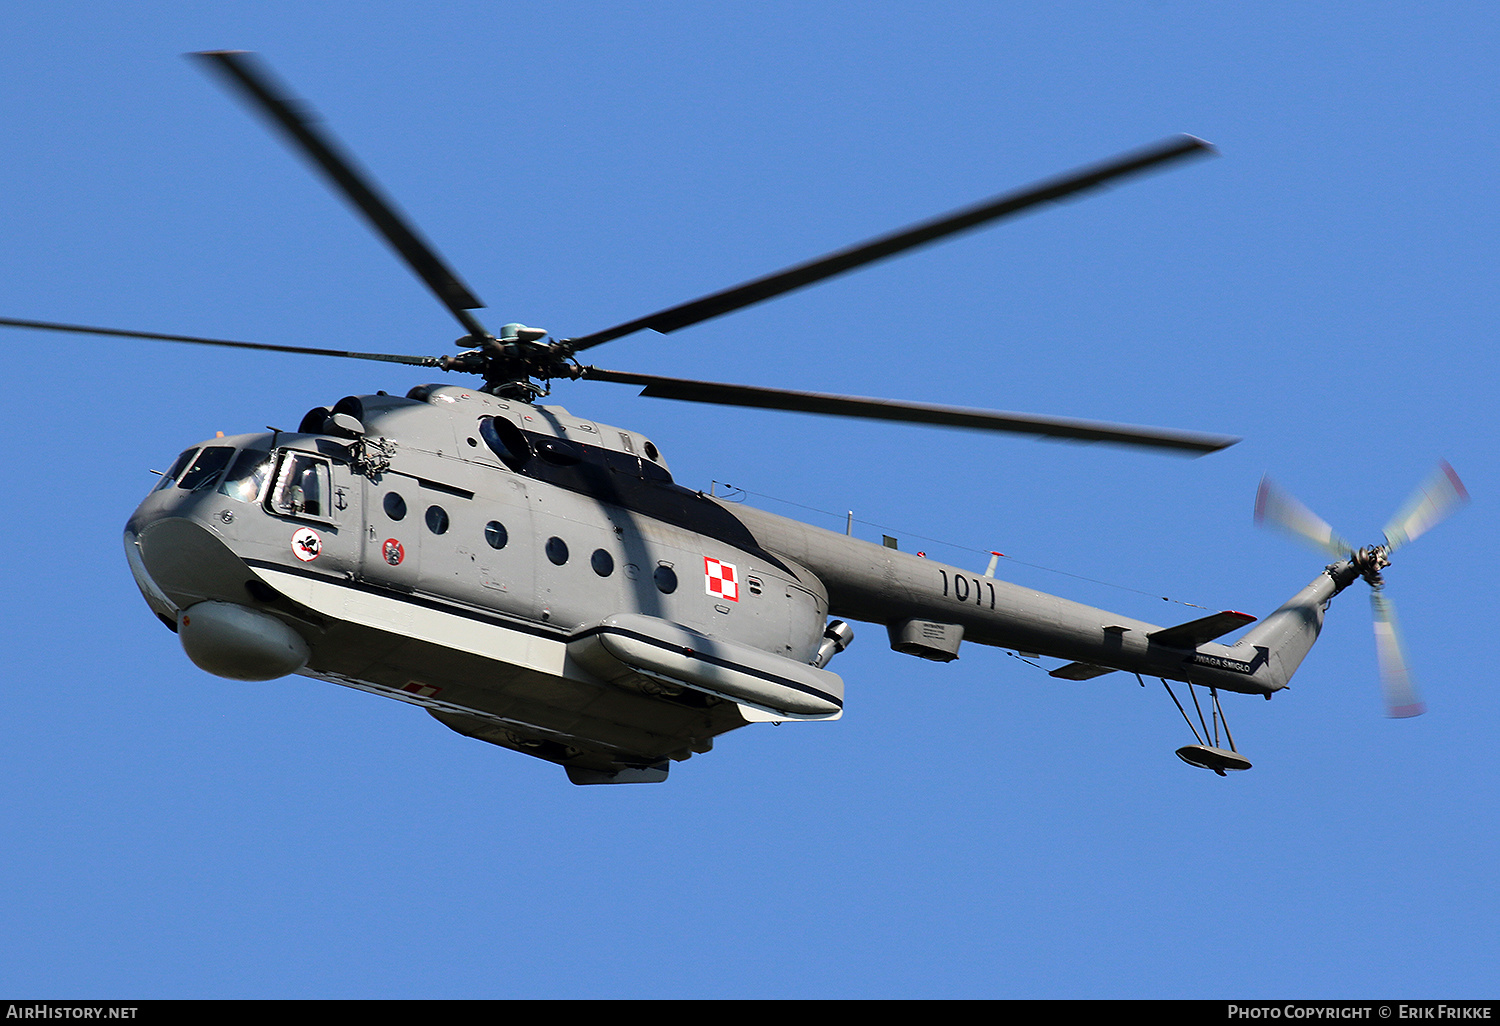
pixel 1401 698
pixel 1276 507
pixel 1428 506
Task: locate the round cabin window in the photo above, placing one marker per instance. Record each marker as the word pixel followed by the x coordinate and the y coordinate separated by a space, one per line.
pixel 666 579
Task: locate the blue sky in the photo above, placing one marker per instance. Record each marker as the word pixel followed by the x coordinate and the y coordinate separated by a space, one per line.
pixel 1325 289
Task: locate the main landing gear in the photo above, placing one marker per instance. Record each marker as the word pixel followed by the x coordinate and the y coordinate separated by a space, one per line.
pixel 1205 755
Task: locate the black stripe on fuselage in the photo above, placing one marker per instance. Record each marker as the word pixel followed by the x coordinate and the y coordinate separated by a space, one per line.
pixel 636 485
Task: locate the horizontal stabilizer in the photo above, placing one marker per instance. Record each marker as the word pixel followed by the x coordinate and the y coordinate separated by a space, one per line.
pixel 1196 632
pixel 1080 671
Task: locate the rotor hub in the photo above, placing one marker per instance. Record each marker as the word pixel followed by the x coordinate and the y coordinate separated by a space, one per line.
pixel 510 362
pixel 1369 561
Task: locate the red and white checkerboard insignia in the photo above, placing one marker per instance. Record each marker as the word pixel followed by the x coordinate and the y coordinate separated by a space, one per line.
pixel 721 579
pixel 420 689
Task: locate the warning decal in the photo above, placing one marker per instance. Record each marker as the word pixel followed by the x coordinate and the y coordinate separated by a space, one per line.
pixel 721 579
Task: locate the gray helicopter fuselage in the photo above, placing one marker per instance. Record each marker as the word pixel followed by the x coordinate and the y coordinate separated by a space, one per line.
pixel 538 581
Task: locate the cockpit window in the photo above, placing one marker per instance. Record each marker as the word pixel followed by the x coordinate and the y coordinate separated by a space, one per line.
pixel 246 475
pixel 206 468
pixel 302 486
pixel 170 477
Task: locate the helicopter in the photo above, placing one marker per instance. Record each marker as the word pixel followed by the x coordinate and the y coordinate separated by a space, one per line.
pixel 539 581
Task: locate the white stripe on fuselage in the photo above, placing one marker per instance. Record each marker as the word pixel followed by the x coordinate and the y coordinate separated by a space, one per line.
pixel 423 623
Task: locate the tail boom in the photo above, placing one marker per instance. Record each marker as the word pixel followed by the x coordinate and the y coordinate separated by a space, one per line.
pixel 1271 652
pixel 876 584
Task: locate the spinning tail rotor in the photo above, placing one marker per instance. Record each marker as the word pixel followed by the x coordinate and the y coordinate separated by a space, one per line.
pixel 1428 506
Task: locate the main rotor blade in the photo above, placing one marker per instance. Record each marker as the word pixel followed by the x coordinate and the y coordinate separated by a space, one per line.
pixel 1400 691
pixel 1007 204
pixel 919 413
pixel 255 84
pixel 1274 506
pixel 415 361
pixel 1428 506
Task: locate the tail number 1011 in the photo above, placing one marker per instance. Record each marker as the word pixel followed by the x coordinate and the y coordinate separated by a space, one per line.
pixel 963 587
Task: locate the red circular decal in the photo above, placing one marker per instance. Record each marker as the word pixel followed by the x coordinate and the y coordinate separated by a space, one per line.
pixel 306 545
pixel 393 552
